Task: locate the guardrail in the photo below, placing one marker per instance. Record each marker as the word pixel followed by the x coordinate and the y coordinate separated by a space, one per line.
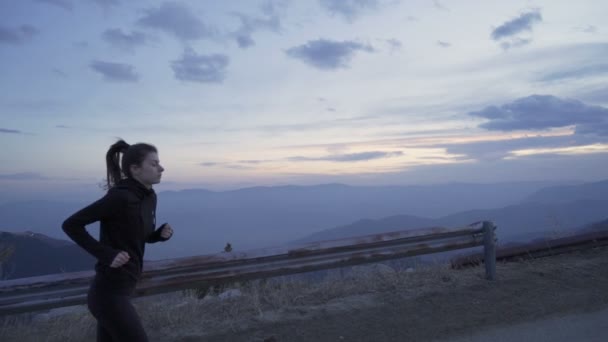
pixel 66 289
pixel 537 249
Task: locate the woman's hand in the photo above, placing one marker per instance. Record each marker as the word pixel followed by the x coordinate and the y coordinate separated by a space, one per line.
pixel 166 232
pixel 120 259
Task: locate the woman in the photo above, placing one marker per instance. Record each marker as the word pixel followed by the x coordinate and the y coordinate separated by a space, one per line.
pixel 127 221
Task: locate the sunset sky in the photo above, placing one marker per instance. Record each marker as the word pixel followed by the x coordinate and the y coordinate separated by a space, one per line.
pixel 245 93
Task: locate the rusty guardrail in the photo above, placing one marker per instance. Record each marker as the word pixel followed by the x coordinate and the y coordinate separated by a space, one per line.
pixel 537 249
pixel 66 289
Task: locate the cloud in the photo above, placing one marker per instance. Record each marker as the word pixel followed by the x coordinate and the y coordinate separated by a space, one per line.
pixel 200 68
pixel 18 35
pixel 22 176
pixel 512 27
pixel 586 29
pixel 249 25
pixel 107 3
pixel 439 5
pixel 350 10
pixel 578 72
pixel 394 44
pixel 495 150
pixel 540 112
pixel 62 126
pixel 59 72
pixel 115 71
pixel 10 131
pixel 515 42
pixel 443 44
pixel 350 157
pixel 124 41
pixel 176 19
pixel 326 54
pixel 64 4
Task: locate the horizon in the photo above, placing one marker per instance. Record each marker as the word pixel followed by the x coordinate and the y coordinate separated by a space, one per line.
pixel 277 92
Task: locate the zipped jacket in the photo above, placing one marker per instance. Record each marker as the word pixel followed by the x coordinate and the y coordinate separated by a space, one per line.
pixel 127 216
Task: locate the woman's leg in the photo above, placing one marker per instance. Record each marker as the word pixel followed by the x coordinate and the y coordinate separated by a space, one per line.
pixel 116 317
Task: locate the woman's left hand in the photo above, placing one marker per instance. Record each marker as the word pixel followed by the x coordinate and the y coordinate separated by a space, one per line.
pixel 166 232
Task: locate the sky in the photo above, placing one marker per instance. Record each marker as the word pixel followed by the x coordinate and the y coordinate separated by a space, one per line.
pixel 248 93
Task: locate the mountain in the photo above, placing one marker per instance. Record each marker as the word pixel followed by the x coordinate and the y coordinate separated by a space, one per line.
pixel 204 221
pixel 568 193
pixel 368 227
pixel 550 210
pixel 32 254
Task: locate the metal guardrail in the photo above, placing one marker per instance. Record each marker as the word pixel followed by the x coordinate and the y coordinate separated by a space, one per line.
pixel 66 289
pixel 537 249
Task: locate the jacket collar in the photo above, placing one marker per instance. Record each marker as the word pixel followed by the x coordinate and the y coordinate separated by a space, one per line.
pixel 136 187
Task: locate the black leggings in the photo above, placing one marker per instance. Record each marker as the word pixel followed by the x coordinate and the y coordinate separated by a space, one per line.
pixel 116 317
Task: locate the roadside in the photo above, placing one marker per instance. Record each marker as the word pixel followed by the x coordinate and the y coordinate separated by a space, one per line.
pixel 457 307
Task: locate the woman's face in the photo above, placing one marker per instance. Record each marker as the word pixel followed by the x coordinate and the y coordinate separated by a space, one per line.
pixel 150 170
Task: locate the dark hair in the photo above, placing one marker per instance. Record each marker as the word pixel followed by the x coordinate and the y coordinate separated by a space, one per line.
pixel 118 169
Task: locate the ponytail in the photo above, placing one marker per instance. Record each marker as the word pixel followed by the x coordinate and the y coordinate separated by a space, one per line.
pixel 118 168
pixel 114 173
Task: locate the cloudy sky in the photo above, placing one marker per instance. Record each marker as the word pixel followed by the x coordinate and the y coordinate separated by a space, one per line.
pixel 245 92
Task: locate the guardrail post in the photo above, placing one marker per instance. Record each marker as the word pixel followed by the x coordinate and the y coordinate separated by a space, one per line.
pixel 489 250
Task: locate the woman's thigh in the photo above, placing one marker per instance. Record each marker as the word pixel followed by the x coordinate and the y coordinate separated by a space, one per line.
pixel 116 315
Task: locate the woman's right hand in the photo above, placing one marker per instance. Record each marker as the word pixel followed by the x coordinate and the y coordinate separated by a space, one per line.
pixel 120 259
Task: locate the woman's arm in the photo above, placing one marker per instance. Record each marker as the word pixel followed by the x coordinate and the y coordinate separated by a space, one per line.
pixel 156 235
pixel 107 207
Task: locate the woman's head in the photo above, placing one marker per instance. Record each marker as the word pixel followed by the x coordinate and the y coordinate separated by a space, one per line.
pixel 139 161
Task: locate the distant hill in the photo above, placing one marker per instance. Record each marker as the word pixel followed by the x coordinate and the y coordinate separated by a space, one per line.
pixel 569 193
pixel 204 221
pixel 35 254
pixel 521 222
pixel 368 226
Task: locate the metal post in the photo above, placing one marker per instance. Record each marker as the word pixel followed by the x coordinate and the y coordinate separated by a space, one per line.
pixel 489 250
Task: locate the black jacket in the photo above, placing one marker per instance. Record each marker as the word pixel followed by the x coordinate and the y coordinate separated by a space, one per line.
pixel 127 221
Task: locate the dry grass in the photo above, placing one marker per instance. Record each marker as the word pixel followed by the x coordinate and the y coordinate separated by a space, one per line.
pixel 180 314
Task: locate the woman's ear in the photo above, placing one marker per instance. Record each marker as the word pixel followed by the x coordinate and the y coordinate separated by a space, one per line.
pixel 134 169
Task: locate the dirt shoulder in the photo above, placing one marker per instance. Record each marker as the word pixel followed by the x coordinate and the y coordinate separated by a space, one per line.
pixel 449 304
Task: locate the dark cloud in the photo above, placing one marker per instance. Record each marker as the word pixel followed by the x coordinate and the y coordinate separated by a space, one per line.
pixel 394 44
pixel 17 35
pixel 115 71
pixel 10 131
pixel 495 150
pixel 59 72
pixel 326 54
pixel 178 20
pixel 249 25
pixel 539 112
pixel 349 157
pixel 124 41
pixel 577 72
pixel 352 9
pixel 512 27
pixel 515 42
pixel 209 164
pixel 200 68
pixel 25 176
pixel 443 44
pixel 64 4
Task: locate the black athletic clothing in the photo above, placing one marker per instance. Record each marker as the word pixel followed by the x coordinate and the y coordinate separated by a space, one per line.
pixel 127 221
pixel 127 216
pixel 117 319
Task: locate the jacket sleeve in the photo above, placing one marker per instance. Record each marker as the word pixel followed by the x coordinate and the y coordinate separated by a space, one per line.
pixel 107 207
pixel 155 236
